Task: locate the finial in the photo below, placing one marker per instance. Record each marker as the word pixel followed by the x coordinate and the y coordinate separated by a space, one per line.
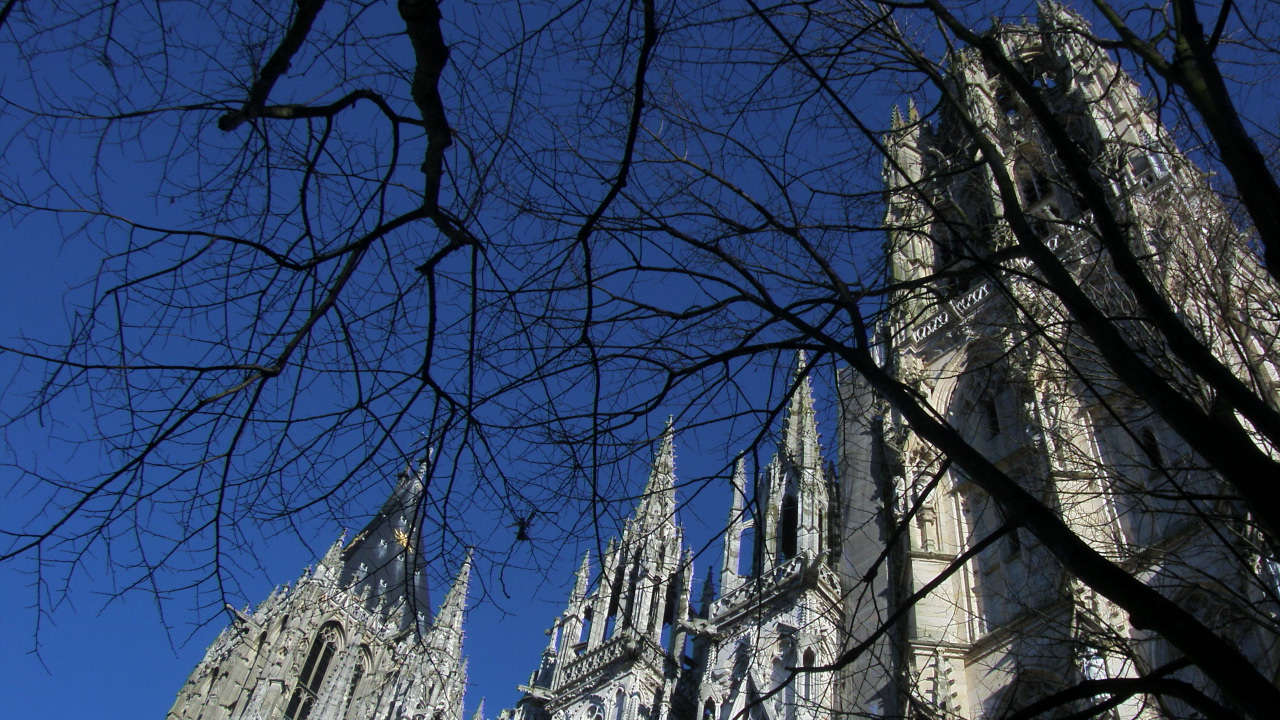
pixel 453 609
pixel 738 483
pixel 800 429
pixel 661 485
pixel 582 579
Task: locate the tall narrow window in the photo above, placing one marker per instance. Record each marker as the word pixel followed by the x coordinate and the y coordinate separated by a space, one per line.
pixel 584 637
pixel 806 679
pixel 1032 183
pixel 314 670
pixel 991 417
pixel 1151 447
pixel 790 528
pixel 353 689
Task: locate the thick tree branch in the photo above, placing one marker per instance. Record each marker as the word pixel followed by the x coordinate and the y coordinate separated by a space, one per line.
pixel 277 65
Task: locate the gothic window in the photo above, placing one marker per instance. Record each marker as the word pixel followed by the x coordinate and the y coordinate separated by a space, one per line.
pixel 619 706
pixel 990 418
pixel 748 553
pixel 1093 664
pixel 789 528
pixel 997 597
pixel 1146 162
pixel 806 679
pixel 311 680
pixel 354 688
pixel 580 644
pixel 594 713
pixel 945 246
pixel 709 710
pixel 1150 445
pixel 1032 184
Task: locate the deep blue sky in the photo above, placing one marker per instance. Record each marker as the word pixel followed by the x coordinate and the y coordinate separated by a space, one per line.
pixel 126 658
pixel 114 658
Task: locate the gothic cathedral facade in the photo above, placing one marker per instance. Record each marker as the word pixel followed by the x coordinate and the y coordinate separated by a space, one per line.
pixel 849 562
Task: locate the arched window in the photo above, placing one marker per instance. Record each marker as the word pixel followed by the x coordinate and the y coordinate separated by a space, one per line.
pixel 1032 183
pixel 619 706
pixel 584 636
pixel 355 688
pixel 311 680
pixel 709 709
pixel 1007 104
pixel 806 679
pixel 789 529
pixel 785 701
pixel 991 417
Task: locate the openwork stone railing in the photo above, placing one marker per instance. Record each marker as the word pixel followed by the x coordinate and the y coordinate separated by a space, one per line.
pixel 781 577
pixel 622 646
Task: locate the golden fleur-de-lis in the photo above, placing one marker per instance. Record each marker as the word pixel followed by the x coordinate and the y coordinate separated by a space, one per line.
pixel 402 537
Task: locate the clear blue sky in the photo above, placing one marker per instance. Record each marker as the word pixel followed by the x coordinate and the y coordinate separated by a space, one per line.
pixel 127 658
pixel 110 659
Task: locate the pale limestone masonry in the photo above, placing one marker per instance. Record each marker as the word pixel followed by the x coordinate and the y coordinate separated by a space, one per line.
pixel 632 646
pixel 1002 360
pixel 349 640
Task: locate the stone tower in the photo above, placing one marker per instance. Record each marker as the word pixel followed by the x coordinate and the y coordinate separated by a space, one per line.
pixel 783 611
pixel 615 651
pixel 975 334
pixel 630 646
pixel 351 639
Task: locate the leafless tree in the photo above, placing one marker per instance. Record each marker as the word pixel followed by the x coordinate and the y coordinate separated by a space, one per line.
pixel 339 236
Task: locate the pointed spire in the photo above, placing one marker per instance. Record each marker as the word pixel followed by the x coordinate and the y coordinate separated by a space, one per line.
pixel 895 119
pixel 739 485
pixel 800 430
pixel 732 552
pixel 383 558
pixel 658 502
pixel 708 595
pixel 479 713
pixel 913 113
pixel 454 608
pixel 582 580
pixel 662 476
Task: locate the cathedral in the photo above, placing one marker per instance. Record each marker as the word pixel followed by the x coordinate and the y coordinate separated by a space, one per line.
pixel 838 593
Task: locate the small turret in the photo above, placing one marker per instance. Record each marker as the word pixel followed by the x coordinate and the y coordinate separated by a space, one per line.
pixel 729 578
pixel 582 580
pixel 800 430
pixel 659 503
pixel 446 632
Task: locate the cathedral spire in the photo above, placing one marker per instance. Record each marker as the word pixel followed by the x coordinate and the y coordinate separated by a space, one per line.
pixel 729 578
pixel 448 623
pixel 383 558
pixel 659 500
pixel 800 429
pixel 454 606
pixel 582 581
